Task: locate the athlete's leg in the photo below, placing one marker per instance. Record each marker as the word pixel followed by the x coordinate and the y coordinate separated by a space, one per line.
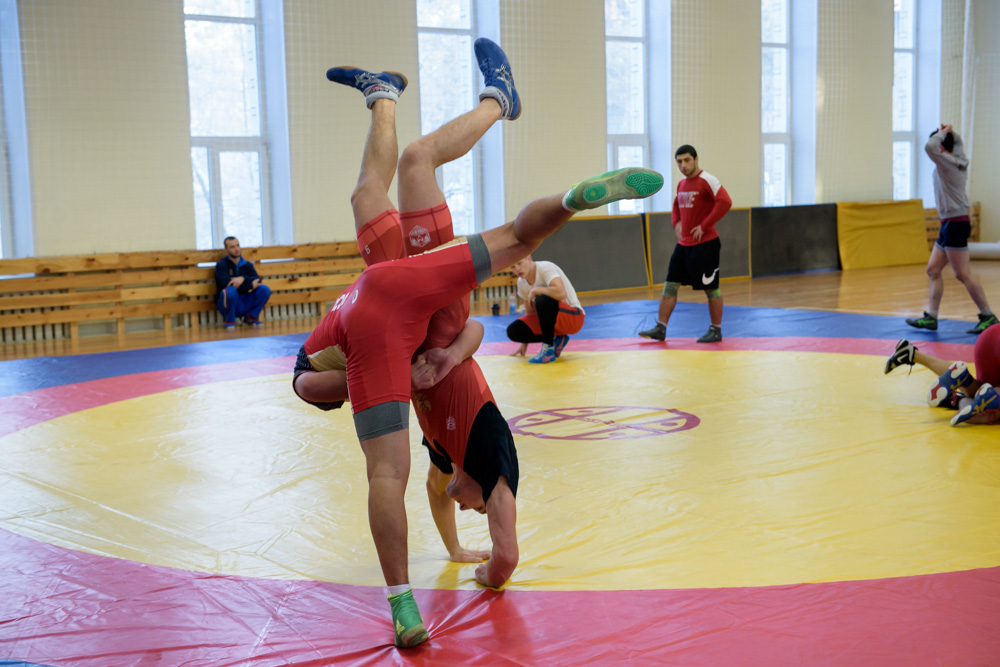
pixel 667 305
pixel 378 165
pixel 387 459
pixel 959 260
pixel 935 265
pixel 715 310
pixel 516 240
pixel 418 188
pixel 547 309
pixel 935 364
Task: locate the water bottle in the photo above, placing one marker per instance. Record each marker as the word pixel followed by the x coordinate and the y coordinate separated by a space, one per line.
pixel 512 300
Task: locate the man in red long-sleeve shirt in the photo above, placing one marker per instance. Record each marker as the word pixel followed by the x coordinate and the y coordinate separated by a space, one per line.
pixel 700 203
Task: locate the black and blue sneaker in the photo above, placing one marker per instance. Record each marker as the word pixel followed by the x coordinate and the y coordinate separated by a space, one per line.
pixel 497 77
pixel 956 377
pixel 374 85
pixel 985 402
pixel 559 343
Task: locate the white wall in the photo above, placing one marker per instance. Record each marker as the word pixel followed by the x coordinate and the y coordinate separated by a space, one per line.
pixel 108 124
pixel 716 91
pixel 107 105
pixel 854 100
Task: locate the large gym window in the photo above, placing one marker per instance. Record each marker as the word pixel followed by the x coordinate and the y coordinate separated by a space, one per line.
pixel 626 48
pixel 228 129
pixel 448 76
pixel 904 139
pixel 776 137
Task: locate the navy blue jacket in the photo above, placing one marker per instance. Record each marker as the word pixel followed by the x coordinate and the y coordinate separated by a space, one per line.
pixel 225 270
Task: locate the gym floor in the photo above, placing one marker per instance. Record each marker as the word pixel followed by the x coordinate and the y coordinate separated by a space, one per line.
pixel 772 499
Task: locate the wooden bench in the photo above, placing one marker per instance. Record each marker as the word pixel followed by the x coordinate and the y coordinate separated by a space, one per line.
pixel 58 294
pixel 51 297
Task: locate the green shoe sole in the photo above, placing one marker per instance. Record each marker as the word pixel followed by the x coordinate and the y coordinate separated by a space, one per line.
pixel 628 183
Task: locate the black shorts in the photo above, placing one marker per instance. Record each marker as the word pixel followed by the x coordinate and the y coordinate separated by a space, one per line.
pixel 955 233
pixel 692 264
pixel 302 365
pixel 489 454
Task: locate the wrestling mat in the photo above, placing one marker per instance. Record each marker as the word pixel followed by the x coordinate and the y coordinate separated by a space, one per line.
pixel 773 499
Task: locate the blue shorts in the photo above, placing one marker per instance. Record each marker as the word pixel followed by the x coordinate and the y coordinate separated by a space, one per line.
pixel 954 234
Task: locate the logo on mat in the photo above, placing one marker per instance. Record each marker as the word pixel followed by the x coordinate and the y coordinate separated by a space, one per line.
pixel 612 422
pixel 707 280
pixel 419 237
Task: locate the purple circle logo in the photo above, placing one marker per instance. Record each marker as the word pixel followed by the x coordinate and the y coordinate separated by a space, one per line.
pixel 602 423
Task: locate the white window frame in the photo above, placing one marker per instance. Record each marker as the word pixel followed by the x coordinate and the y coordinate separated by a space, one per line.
pixel 16 225
pixel 616 141
pixel 784 138
pixel 909 136
pixel 254 144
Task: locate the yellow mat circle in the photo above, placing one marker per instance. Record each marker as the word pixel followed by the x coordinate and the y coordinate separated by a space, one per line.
pixel 803 467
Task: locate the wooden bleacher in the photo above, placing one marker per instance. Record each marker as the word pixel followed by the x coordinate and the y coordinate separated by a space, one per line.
pixel 51 297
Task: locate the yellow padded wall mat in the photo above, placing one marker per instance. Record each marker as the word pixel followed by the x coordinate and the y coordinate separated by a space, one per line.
pixel 882 233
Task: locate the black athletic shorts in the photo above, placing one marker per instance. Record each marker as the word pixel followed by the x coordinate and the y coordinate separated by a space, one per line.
pixel 696 265
pixel 302 365
pixel 955 233
pixel 489 454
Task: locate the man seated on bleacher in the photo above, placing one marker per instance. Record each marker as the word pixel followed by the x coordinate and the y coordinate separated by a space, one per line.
pixel 239 290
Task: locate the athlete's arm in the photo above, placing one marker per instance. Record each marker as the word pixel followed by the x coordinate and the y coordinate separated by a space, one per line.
pixel 555 289
pixel 435 363
pixel 501 513
pixel 675 219
pixel 723 202
pixel 443 510
pixel 322 386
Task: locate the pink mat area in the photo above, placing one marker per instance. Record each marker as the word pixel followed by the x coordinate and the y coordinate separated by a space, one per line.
pixel 61 607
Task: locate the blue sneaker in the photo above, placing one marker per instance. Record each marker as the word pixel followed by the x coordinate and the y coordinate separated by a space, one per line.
pixel 546 356
pixel 498 78
pixel 374 85
pixel 956 377
pixel 987 399
pixel 559 343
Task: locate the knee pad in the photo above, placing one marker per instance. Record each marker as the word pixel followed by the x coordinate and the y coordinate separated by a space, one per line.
pixel 713 294
pixel 671 289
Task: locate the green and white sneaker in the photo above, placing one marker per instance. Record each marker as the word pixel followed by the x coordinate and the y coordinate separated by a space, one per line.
pixel 927 321
pixel 628 183
pixel 410 629
pixel 985 322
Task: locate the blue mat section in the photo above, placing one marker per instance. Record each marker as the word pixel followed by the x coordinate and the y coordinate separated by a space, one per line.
pixel 690 320
pixel 613 320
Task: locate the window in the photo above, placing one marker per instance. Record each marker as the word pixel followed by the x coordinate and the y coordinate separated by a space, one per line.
pixel 626 48
pixel 5 214
pixel 775 103
pixel 448 78
pixel 16 233
pixel 228 129
pixel 904 139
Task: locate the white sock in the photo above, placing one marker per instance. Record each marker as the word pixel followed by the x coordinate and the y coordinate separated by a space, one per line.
pixel 565 205
pixel 398 590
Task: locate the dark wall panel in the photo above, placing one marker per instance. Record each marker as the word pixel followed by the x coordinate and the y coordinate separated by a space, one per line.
pixel 734 232
pixel 794 238
pixel 599 253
